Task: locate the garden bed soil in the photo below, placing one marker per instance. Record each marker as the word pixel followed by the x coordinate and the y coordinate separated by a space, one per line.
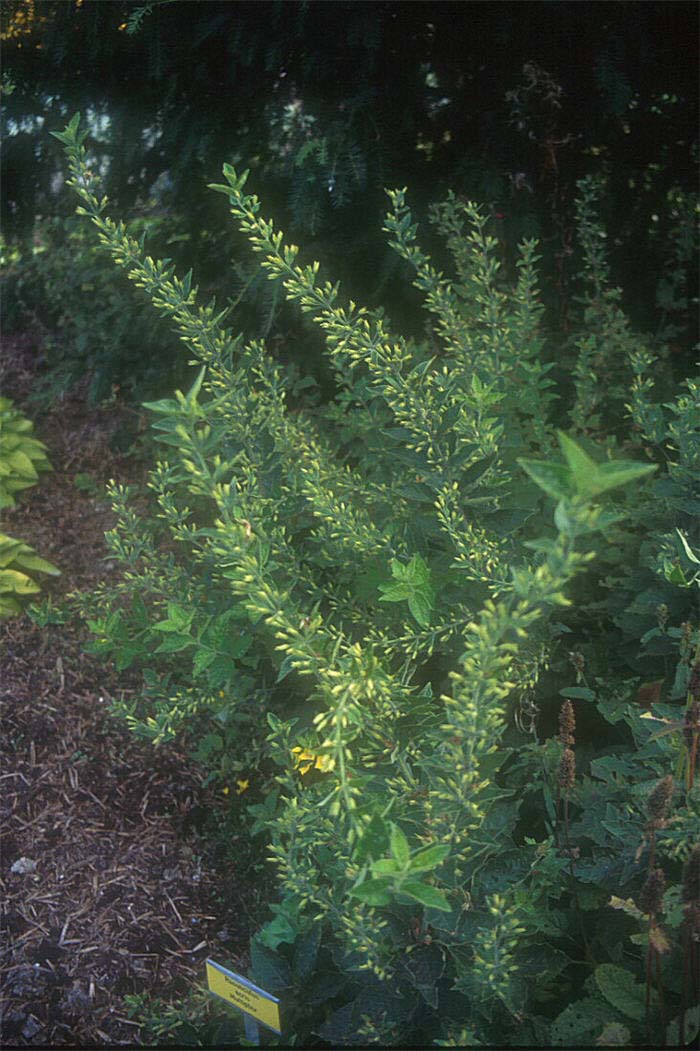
pixel 107 887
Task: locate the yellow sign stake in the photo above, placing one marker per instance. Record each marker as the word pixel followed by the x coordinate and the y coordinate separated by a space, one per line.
pixel 254 1002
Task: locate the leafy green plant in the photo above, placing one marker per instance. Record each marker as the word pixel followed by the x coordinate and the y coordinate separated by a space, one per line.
pixel 22 456
pixel 15 584
pixel 375 590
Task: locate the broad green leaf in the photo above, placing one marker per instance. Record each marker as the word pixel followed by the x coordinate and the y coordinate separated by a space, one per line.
pixel 373 841
pixel 395 592
pixel 178 619
pixel 581 693
pixel 420 606
pixel 9 607
pixel 431 897
pixel 578 1021
pixel 580 463
pixel 175 644
pixel 429 858
pixel 239 646
pixel 691 1028
pixel 202 659
pixel 9 549
pixel 386 867
pixel 306 949
pixel 399 846
pixel 373 892
pixel 21 463
pixel 620 988
pixel 19 583
pixel 165 406
pixel 32 561
pixel 610 475
pixel 270 970
pixel 196 386
pixel 554 478
pixel 418 571
pixel 688 550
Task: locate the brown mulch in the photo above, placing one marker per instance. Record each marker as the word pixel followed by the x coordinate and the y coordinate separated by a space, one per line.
pixel 107 887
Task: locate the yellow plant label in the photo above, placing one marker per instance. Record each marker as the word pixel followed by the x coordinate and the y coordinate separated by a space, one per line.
pixel 236 990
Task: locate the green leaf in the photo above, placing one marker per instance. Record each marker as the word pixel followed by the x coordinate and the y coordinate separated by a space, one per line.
pixel 373 892
pixel 418 571
pixel 175 643
pixel 420 606
pixel 178 619
pixel 374 841
pixel 581 693
pixel 202 659
pixel 19 583
pixel 386 867
pixel 688 550
pixel 306 952
pixel 610 475
pixel 578 1021
pixel 194 390
pixel 32 561
pixel 429 858
pixel 620 989
pixel 580 463
pixel 270 971
pixel 691 1028
pixel 431 897
pixel 399 847
pixel 395 592
pixel 21 464
pixel 554 478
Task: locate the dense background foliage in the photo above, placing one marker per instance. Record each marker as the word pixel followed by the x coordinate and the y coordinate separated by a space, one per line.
pixel 328 104
pixel 354 582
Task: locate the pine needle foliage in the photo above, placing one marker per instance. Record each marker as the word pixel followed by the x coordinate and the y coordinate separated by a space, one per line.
pixel 361 595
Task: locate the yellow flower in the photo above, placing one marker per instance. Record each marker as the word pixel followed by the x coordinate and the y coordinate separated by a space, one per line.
pixel 305 761
pixel 242 787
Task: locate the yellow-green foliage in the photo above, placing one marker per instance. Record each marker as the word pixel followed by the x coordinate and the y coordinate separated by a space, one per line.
pixel 375 586
pixel 21 455
pixel 15 557
pixel 21 459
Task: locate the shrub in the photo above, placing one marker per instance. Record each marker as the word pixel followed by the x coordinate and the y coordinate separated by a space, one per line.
pixel 369 598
